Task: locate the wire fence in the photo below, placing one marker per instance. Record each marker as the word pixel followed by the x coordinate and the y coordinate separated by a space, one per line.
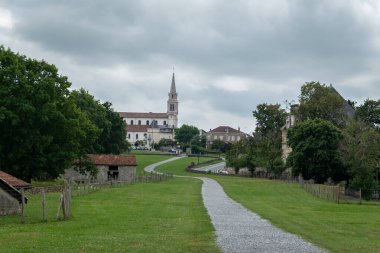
pixel 51 204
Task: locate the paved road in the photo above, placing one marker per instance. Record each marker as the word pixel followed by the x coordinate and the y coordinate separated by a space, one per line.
pixel 239 230
pixel 214 167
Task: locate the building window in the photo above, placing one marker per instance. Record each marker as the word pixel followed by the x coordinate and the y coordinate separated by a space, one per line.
pixel 233 138
pixel 215 137
pixel 171 107
pixel 221 137
pixel 238 138
pixel 129 136
pixel 164 122
pixel 137 136
pixel 113 172
pixel 131 122
pixel 147 122
pixel 139 122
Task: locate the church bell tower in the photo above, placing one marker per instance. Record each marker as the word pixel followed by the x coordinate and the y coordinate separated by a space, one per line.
pixel 172 110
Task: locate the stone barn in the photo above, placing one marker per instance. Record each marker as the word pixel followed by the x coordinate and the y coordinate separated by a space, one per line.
pixel 10 196
pixel 110 167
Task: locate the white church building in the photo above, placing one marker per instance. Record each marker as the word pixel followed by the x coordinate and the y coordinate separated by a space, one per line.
pixel 151 127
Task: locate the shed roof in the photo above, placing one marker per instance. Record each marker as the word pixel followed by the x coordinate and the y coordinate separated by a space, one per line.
pixel 120 160
pixel 14 181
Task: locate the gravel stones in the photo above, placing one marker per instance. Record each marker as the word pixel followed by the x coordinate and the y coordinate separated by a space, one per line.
pixel 240 230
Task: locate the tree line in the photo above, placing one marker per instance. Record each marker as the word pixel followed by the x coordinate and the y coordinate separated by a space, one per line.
pixel 44 126
pixel 332 139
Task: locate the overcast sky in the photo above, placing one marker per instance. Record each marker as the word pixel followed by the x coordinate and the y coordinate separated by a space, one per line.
pixel 228 56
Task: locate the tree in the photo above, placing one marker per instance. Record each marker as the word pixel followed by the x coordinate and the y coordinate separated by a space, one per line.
pixel 269 118
pixel 317 101
pixel 360 150
pixel 266 142
pixel 111 127
pixel 185 134
pixel 369 112
pixel 218 145
pixel 41 130
pixel 315 149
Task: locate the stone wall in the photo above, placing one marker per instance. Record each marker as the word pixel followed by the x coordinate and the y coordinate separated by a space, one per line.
pixel 126 173
pixel 8 204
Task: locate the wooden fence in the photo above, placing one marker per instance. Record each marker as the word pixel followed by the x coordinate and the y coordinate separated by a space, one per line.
pixel 46 204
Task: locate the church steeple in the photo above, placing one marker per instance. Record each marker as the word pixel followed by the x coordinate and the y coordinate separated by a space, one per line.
pixel 172 106
pixel 172 88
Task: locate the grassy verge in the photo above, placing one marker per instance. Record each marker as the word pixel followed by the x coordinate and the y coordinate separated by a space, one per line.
pixel 158 217
pixel 335 227
pixel 178 167
pixel 145 160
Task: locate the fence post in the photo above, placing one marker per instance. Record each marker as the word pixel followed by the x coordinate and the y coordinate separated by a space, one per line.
pixel 43 205
pixel 60 206
pixel 22 205
pixel 360 195
pixel 338 193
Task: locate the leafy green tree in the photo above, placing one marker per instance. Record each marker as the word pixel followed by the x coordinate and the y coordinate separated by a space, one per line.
pixel 218 145
pixel 360 150
pixel 369 112
pixel 185 134
pixel 266 142
pixel 41 130
pixel 112 132
pixel 315 146
pixel 269 118
pixel 317 101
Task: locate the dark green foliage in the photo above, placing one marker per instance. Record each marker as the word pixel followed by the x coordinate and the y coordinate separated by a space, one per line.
pixel 269 118
pixel 317 101
pixel 218 145
pixel 360 151
pixel 187 135
pixel 369 112
pixel 111 127
pixel 41 130
pixel 315 149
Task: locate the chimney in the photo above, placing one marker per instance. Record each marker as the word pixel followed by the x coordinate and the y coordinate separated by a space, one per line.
pixel 239 129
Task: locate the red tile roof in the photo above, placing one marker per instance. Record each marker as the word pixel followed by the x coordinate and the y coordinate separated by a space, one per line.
pixel 13 181
pixel 224 129
pixel 137 128
pixel 149 115
pixel 121 160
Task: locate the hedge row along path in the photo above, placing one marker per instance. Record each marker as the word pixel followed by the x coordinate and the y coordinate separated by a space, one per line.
pixel 238 229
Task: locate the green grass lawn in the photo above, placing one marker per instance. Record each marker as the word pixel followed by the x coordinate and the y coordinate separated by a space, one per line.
pixel 168 216
pixel 178 167
pixel 145 160
pixel 336 227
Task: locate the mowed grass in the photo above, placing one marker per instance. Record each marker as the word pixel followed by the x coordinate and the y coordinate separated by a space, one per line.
pixel 336 227
pixel 178 167
pixel 145 160
pixel 168 216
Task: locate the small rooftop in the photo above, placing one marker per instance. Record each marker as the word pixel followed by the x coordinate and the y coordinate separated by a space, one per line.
pixel 120 160
pixel 14 181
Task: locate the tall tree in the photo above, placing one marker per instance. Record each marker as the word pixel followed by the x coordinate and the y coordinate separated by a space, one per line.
pixel 185 134
pixel 317 101
pixel 369 112
pixel 111 127
pixel 360 150
pixel 315 150
pixel 266 143
pixel 269 118
pixel 41 130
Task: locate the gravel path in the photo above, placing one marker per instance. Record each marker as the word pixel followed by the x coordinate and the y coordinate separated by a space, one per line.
pixel 239 230
pixel 214 167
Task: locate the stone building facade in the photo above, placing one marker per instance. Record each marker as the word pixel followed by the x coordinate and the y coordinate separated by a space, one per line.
pixel 224 133
pixel 110 167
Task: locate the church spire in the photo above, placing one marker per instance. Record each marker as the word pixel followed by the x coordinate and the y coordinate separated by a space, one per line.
pixel 172 88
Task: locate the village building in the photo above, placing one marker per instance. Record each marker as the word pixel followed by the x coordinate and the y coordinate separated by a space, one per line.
pixel 110 167
pixel 224 133
pixel 150 127
pixel 10 196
